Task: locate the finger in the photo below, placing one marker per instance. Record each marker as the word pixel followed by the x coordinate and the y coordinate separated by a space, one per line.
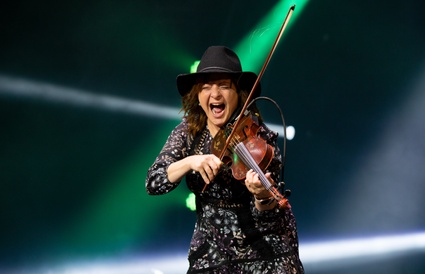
pixel 215 168
pixel 248 179
pixel 209 172
pixel 249 175
pixel 247 184
pixel 269 177
pixel 205 178
pixel 255 178
pixel 217 161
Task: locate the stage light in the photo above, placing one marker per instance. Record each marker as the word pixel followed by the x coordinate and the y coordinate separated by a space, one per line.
pixel 386 186
pixel 361 248
pixel 57 94
pixel 12 86
pixel 254 48
pixel 194 66
pixel 190 202
pixel 326 256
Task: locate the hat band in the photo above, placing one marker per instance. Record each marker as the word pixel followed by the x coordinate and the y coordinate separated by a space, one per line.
pixel 218 69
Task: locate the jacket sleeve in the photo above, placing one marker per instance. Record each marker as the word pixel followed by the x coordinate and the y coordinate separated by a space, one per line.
pixel 174 150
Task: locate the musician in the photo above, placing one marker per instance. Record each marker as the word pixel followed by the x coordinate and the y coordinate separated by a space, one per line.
pixel 240 227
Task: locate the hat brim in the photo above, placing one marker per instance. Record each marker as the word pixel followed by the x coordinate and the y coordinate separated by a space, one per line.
pixel 246 81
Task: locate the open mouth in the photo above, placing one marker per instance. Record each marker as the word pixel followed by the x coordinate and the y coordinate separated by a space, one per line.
pixel 217 109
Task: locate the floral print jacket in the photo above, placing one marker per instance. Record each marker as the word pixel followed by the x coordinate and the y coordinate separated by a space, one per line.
pixel 230 235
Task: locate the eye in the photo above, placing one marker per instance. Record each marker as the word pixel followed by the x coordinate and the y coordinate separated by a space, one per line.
pixel 206 87
pixel 225 85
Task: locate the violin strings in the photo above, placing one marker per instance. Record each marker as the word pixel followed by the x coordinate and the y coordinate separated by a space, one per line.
pixel 241 150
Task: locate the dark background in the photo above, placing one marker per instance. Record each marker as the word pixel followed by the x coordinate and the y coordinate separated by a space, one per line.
pixel 348 75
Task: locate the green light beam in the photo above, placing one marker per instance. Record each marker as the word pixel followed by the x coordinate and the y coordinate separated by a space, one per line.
pixel 253 49
pixel 102 225
pixel 121 216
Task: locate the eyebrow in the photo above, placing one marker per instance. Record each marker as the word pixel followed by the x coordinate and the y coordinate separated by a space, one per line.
pixel 222 81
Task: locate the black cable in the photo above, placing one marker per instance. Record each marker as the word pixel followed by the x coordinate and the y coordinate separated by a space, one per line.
pixel 284 129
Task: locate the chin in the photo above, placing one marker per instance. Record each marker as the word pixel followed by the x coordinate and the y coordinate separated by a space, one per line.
pixel 219 123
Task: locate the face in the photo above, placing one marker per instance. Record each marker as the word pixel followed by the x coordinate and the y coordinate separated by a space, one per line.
pixel 219 99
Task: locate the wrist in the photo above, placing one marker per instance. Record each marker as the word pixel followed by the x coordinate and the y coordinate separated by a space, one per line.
pixel 265 200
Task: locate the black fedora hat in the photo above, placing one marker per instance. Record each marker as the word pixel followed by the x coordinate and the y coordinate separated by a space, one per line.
pixel 219 60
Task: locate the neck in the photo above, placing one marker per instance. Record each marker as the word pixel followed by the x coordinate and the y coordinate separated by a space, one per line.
pixel 213 129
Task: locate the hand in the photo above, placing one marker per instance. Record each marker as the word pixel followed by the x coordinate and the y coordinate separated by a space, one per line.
pixel 254 185
pixel 207 165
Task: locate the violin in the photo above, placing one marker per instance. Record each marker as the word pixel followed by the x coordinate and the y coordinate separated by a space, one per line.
pixel 256 151
pixel 247 150
pixel 243 149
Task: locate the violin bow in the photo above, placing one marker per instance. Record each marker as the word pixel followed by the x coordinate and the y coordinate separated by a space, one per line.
pixel 256 83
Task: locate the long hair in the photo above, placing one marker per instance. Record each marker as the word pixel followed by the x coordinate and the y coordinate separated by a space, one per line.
pixel 195 115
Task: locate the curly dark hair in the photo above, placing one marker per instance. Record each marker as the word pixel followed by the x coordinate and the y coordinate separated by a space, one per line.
pixel 195 115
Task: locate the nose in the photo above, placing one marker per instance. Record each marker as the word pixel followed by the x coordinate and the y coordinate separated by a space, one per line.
pixel 215 91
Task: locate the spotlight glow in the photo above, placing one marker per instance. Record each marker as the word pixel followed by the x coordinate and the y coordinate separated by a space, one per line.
pixel 48 92
pixel 323 252
pixel 194 66
pixel 54 93
pixel 318 255
pixel 191 202
pixel 254 48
